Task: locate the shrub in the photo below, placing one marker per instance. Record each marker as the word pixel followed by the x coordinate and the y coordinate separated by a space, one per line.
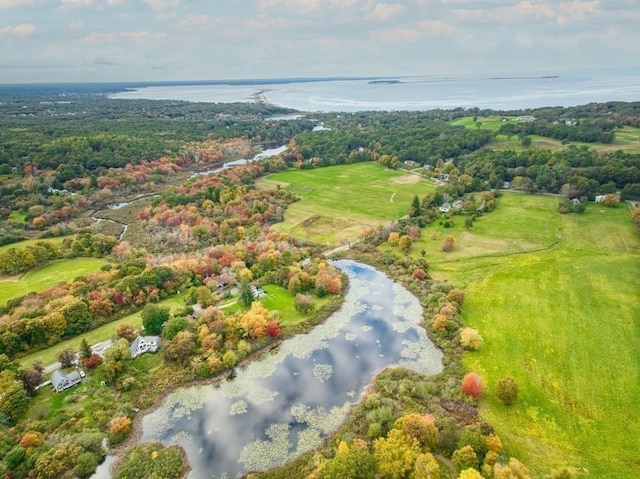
pixel 419 274
pixel 464 458
pixel 507 391
pixel 447 243
pixel 119 428
pixel 470 339
pixel 472 385
pixel 440 322
pixel 304 304
pixel 92 361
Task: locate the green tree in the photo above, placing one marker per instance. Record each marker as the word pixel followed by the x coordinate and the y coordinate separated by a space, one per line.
pixel 153 317
pixel 405 242
pixel 245 294
pixel 173 326
pixel 13 397
pixel 116 357
pixel 355 462
pixel 507 391
pixel 415 209
pixel 56 461
pixel 85 349
pixel 77 317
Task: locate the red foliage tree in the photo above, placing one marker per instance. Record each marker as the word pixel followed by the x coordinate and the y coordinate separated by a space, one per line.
pixel 273 329
pixel 472 385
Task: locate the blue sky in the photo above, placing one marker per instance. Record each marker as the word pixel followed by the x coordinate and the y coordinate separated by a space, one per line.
pixel 146 40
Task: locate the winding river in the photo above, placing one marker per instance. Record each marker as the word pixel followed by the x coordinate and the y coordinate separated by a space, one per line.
pixel 287 403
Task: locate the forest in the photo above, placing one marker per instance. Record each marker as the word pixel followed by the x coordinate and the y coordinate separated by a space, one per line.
pixel 71 158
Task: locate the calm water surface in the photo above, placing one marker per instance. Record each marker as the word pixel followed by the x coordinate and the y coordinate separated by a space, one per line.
pixel 501 92
pixel 286 404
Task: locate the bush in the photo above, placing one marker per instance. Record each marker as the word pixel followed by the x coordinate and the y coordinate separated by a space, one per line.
pixel 472 385
pixel 92 361
pixel 447 243
pixel 151 460
pixel 304 304
pixel 470 339
pixel 464 458
pixel 507 391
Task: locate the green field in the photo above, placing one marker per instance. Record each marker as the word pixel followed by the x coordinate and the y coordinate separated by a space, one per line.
pixel 492 123
pixel 108 331
pixel 31 242
pixel 46 277
pixel 332 211
pixel 556 299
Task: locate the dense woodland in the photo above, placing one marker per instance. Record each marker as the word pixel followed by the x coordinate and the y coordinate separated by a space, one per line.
pixel 66 154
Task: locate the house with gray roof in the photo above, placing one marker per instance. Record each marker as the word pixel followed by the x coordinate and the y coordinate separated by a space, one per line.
pixel 62 381
pixel 144 344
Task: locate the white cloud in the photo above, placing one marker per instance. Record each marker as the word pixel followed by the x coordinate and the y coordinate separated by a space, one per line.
pixel 193 21
pixel 437 28
pixel 76 25
pixel 162 5
pixel 115 37
pixel 19 31
pixel 525 11
pixel 76 3
pixel 385 11
pixel 16 3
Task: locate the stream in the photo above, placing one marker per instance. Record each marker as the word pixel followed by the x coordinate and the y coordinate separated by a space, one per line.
pixel 289 402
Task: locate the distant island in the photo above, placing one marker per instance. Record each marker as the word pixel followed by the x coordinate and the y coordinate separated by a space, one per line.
pixel 525 78
pixel 384 82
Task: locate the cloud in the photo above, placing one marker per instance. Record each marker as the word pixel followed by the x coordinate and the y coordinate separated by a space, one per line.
pixel 76 3
pixel 18 31
pixel 16 3
pixel 162 5
pixel 76 25
pixel 385 11
pixel 437 28
pixel 193 21
pixel 525 11
pixel 143 37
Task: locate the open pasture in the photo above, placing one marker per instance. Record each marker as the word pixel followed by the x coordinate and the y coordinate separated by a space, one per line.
pixel 556 299
pixel 338 203
pixel 47 276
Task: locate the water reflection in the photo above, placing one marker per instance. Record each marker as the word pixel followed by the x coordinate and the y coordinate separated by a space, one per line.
pixel 289 402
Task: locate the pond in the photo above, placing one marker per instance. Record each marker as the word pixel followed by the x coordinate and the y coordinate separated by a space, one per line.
pixel 287 403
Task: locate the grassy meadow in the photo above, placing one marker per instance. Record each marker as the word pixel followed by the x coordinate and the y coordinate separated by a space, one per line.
pixel 556 299
pixel 108 331
pixel 47 276
pixel 30 242
pixel 338 203
pixel 627 138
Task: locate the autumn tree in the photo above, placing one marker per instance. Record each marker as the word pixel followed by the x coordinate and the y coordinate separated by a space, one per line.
pixel 119 428
pixel 464 458
pixel 180 348
pixel 405 242
pixel 127 331
pixel 67 357
pixel 31 378
pixel 470 474
pixel 303 303
pixel 611 200
pixel 396 454
pixel 419 274
pixel 394 238
pixel 507 391
pixel 472 385
pixel 421 428
pixel 273 329
pixel 426 467
pixel 57 461
pixel 153 317
pixel 470 339
pixel 447 243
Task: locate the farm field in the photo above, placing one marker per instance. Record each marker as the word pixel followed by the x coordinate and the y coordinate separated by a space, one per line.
pixel 47 276
pixel 555 298
pixel 108 331
pixel 332 210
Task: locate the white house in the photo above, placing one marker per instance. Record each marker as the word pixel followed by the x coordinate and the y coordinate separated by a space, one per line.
pixel 62 381
pixel 144 344
pixel 445 208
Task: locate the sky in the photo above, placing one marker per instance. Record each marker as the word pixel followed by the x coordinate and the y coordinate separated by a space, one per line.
pixel 169 40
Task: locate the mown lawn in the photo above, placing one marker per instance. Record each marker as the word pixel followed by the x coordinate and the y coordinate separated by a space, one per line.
pixel 556 299
pixel 41 279
pixel 108 331
pixel 31 242
pixel 338 203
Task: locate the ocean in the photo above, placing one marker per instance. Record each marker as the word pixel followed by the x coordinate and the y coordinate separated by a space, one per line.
pixel 500 92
